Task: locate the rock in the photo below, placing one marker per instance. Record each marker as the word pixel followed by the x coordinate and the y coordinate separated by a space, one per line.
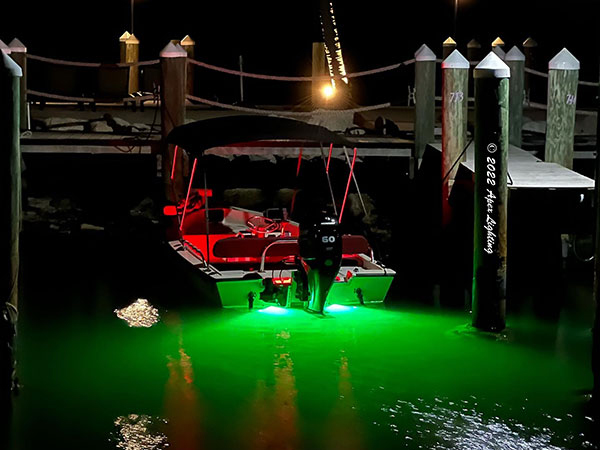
pixel 90 227
pixel 244 197
pixel 62 124
pixel 144 209
pixel 339 121
pixel 100 126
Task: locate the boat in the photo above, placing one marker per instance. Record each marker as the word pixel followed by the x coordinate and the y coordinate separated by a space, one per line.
pixel 262 259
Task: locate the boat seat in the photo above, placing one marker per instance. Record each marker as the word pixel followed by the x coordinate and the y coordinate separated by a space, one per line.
pixel 253 247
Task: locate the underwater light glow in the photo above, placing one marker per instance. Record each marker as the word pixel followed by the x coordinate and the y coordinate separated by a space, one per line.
pixel 339 308
pixel 274 310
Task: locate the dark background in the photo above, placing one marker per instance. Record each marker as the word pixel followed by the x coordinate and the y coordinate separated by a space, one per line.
pixel 275 36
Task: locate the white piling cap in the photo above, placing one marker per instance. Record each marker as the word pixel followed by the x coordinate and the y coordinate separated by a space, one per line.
pixel 187 40
pixel 425 54
pixel 125 36
pixel 4 48
pixel 173 51
pixel 16 46
pixel 498 51
pixel 514 54
pixel 12 67
pixel 564 60
pixel 491 65
pixel 455 60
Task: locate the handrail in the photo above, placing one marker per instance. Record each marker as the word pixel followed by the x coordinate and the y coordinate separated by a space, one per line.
pixel 264 254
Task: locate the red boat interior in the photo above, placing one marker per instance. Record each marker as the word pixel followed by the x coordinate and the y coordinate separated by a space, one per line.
pixel 243 238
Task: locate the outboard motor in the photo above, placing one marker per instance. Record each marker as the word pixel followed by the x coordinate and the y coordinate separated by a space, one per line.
pixel 320 244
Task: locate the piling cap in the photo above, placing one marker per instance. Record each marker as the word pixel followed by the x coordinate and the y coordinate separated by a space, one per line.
pixel 425 54
pixel 491 66
pixel 498 42
pixel 10 66
pixel 4 48
pixel 16 46
pixel 132 40
pixel 125 36
pixel 514 54
pixel 564 60
pixel 498 51
pixel 455 60
pixel 529 42
pixel 449 42
pixel 473 44
pixel 187 40
pixel 173 51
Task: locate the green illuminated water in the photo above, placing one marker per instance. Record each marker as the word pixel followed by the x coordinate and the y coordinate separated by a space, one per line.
pixel 356 379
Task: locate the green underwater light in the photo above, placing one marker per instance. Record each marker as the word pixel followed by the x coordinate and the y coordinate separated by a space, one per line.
pixel 274 311
pixel 339 308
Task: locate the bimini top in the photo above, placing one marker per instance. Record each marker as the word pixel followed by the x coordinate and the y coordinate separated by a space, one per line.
pixel 196 137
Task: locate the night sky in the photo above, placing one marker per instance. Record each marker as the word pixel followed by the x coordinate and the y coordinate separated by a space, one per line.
pixel 275 36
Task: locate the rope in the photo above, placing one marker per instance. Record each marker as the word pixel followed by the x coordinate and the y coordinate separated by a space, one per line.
pixel 536 72
pixel 85 99
pixel 284 113
pixel 545 75
pixel 64 62
pixel 294 78
pixel 545 107
pixel 60 97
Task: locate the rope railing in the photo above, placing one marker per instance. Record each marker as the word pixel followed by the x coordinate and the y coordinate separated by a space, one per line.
pixel 297 78
pixel 545 75
pixel 544 107
pixel 68 98
pixel 284 113
pixel 64 62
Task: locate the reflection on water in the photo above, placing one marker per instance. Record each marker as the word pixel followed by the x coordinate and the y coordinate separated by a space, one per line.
pixel 139 432
pixel 139 314
pixel 271 422
pixel 356 380
pixel 182 406
pixel 344 428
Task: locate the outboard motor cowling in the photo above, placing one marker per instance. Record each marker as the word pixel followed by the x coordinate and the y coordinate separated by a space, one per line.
pixel 320 244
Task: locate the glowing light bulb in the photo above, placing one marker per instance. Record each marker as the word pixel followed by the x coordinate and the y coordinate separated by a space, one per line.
pixel 328 91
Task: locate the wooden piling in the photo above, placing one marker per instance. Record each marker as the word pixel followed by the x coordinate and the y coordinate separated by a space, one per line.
pixel 455 75
pixel 473 51
pixel 189 45
pixel 515 60
pixel 596 327
pixel 448 46
pixel 491 193
pixel 563 77
pixel 319 69
pixel 132 55
pixel 424 99
pixel 10 210
pixel 173 61
pixel 529 48
pixel 498 48
pixel 122 46
pixel 19 55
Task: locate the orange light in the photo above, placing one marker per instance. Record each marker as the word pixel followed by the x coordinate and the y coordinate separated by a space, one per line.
pixel 282 281
pixel 328 91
